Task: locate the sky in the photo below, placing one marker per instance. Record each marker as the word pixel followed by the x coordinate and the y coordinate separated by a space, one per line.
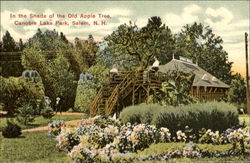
pixel 228 19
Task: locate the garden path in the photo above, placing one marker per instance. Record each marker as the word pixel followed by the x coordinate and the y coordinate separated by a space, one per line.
pixel 45 128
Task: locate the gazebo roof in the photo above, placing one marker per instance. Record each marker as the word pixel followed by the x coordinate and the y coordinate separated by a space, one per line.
pixel 202 77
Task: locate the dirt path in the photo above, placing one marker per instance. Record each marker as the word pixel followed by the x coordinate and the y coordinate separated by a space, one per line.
pixel 45 128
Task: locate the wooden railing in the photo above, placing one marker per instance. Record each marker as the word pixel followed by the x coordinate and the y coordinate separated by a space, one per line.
pixel 113 99
pixel 96 102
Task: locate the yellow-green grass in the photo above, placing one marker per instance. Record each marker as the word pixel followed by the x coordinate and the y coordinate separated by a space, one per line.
pixel 167 148
pixel 31 147
pixel 40 121
pixel 244 118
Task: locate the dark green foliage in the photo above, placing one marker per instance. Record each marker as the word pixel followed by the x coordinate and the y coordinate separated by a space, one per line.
pixel 47 113
pixel 237 91
pixel 198 42
pixel 175 89
pixel 12 130
pixel 9 44
pixel 10 51
pixel 26 114
pixel 134 47
pixel 211 115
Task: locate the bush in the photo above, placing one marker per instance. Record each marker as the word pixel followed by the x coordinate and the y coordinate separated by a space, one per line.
pixel 55 127
pixel 12 130
pixel 47 113
pixel 142 113
pixel 26 114
pixel 211 115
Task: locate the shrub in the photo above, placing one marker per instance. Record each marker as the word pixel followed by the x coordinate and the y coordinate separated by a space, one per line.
pixel 55 127
pixel 12 130
pixel 212 115
pixel 26 114
pixel 47 113
pixel 142 113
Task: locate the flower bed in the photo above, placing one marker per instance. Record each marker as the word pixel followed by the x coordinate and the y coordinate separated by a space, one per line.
pixel 103 139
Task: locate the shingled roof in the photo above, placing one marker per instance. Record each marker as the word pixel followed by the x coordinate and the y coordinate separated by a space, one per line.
pixel 202 77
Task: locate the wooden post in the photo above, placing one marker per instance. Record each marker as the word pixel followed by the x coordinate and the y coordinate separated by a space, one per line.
pixel 247 76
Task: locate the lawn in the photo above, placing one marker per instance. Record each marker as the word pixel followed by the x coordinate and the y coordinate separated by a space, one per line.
pixel 30 147
pixel 244 118
pixel 40 121
pixel 37 147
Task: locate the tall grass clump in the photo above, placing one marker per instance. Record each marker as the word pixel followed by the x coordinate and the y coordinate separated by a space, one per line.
pixel 211 115
pixel 142 113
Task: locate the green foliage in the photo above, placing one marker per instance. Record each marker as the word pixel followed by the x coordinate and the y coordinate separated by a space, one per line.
pixel 87 91
pixel 47 113
pixel 26 114
pixel 9 44
pixel 16 92
pixel 54 69
pixel 84 96
pixel 211 115
pixel 12 130
pixel 202 45
pixel 135 47
pixel 175 89
pixel 142 113
pixel 237 91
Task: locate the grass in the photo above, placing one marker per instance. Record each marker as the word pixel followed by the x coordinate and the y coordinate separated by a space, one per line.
pixel 31 147
pixel 166 148
pixel 40 121
pixel 244 118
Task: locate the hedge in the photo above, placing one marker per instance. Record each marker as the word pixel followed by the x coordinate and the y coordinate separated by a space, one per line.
pixel 211 115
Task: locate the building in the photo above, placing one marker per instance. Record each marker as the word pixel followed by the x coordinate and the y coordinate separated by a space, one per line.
pixel 205 86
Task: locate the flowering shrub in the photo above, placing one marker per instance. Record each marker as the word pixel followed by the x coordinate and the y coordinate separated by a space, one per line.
pixel 211 137
pixel 191 150
pixel 67 139
pixel 103 139
pixel 55 127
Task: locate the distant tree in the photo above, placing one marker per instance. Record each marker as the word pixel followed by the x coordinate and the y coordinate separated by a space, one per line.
pixel 140 46
pixel 10 59
pixel 237 91
pixel 1 46
pixel 203 46
pixel 63 38
pixel 84 54
pixel 9 44
pixel 21 45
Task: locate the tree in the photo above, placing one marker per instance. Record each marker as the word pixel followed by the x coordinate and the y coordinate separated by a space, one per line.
pixel 84 54
pixel 9 44
pixel 87 90
pixel 140 46
pixel 16 92
pixel 50 55
pixel 55 72
pixel 21 45
pixel 200 44
pixel 10 58
pixel 237 91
